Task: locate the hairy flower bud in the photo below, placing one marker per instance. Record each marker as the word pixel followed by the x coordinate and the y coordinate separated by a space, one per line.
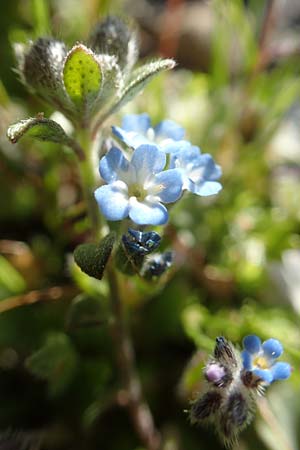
pixel 113 37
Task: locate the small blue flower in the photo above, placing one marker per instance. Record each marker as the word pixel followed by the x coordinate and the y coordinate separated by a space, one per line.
pixel 261 359
pixel 199 171
pixel 137 188
pixel 141 243
pixel 136 130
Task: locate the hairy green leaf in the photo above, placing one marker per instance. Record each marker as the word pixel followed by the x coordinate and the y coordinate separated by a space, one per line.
pixel 55 362
pixel 92 258
pixel 140 78
pixel 44 130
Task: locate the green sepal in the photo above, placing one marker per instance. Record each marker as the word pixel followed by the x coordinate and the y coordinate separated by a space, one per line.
pixel 126 263
pixel 55 362
pixel 44 130
pixel 92 258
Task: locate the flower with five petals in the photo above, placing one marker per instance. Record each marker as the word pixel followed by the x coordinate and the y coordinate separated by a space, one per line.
pixel 139 187
pixel 199 171
pixel 260 358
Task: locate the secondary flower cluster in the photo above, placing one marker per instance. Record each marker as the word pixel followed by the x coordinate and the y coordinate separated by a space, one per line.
pixel 135 255
pixel 233 381
pixel 158 166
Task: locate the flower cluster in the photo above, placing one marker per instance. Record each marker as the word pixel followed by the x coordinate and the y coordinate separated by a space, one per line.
pixel 161 166
pixel 233 382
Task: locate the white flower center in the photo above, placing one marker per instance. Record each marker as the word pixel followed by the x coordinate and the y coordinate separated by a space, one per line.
pixel 137 191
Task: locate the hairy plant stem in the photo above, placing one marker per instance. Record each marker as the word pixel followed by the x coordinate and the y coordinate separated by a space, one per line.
pixel 138 409
pixel 88 182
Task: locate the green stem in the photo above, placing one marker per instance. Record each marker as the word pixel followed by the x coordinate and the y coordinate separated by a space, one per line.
pixel 89 183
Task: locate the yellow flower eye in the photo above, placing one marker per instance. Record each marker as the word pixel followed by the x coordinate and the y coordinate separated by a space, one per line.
pixel 261 362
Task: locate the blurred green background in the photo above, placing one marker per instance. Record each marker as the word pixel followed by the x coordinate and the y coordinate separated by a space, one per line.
pixel 237 270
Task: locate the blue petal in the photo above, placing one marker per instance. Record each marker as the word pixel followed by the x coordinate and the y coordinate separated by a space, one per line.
pixel 177 146
pixel 212 170
pixel 206 188
pixel 264 374
pixel 113 201
pixel 169 129
pixel 252 344
pixel 147 160
pixel 136 122
pixel 113 165
pixel 272 348
pixel 130 138
pixel 246 359
pixel 146 213
pixel 197 169
pixel 171 180
pixel 281 371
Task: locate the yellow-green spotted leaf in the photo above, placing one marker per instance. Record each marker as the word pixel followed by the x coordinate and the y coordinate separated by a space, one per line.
pixel 82 77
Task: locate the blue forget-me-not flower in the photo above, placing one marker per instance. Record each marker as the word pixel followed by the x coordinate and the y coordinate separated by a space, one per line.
pixel 260 358
pixel 136 130
pixel 139 187
pixel 199 171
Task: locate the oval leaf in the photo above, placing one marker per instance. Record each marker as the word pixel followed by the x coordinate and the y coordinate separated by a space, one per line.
pixel 43 130
pixel 82 77
pixel 39 128
pixel 55 361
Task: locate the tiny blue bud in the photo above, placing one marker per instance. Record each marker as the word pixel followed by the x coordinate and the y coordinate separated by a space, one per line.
pixel 138 242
